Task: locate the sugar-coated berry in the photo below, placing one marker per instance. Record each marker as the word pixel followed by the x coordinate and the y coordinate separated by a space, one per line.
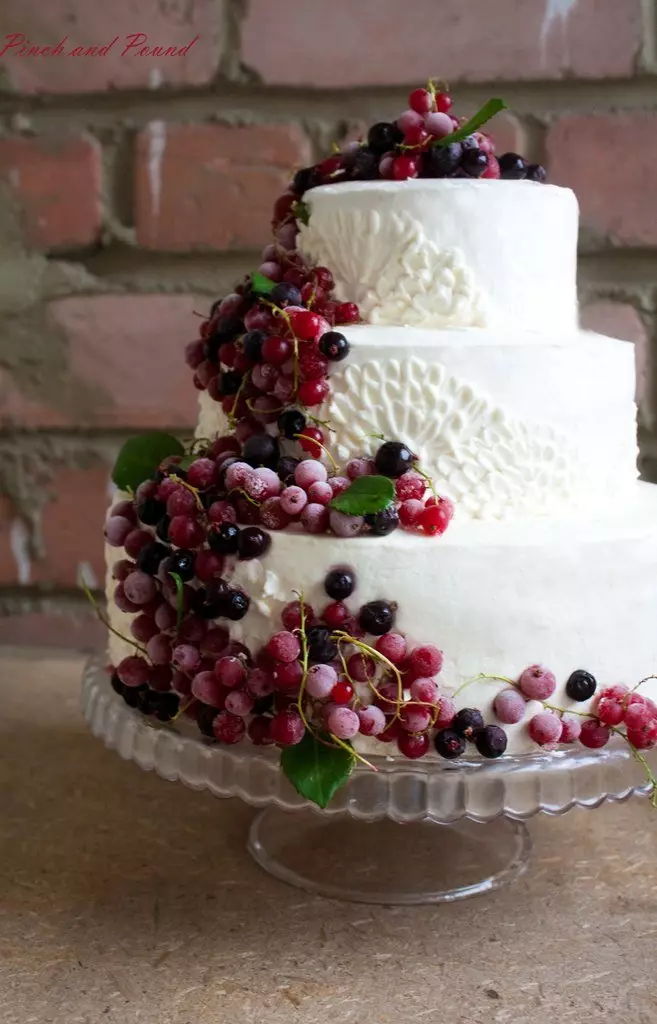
pixel 413 745
pixel 228 728
pixel 270 479
pixel 425 691
pixel 309 471
pixel 287 677
pixel 294 613
pixel 293 500
pixel 222 512
pixel 117 529
pixel 143 628
pixel 446 713
pixel 186 532
pixel 343 722
pixel 393 647
pixel 340 583
pixel 645 736
pixel 344 525
pixel 537 682
pixel 467 722
pixel 372 720
pixel 283 646
pixel 360 467
pixel 571 727
pixel 273 515
pixel 158 649
pixel 320 492
pixel 202 474
pixel 410 512
pixel 315 518
pixel 186 658
pixel 393 459
pixel 139 588
pixel 239 703
pixel 593 734
pixel 181 502
pixel 133 671
pixel 434 520
pixel 377 617
pixel 491 741
pixel 449 744
pixel 410 486
pixel 581 685
pixel 545 728
pixel 509 706
pixel 236 474
pixel 286 729
pixel 320 681
pixel 414 718
pixel 361 667
pixel 426 660
pixel 336 615
pixel 610 711
pixel 438 124
pixel 342 692
pixel 230 671
pixel 636 715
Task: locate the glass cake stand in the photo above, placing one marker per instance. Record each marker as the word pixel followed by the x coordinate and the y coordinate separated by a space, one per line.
pixel 413 832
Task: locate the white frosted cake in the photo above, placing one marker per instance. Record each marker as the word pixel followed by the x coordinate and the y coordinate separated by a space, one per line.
pixel 433 320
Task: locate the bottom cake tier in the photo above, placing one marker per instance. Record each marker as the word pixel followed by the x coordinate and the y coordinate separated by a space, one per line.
pixel 495 597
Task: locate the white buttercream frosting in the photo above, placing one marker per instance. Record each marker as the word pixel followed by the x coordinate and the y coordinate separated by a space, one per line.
pixel 448 252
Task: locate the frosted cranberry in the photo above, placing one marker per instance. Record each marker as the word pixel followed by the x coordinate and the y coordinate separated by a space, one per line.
pixel 264 377
pixel 442 502
pixel 293 500
pixel 410 486
pixel 273 514
pixel 571 728
pixel 309 471
pixel 122 569
pixel 320 681
pixel 271 270
pixel 616 692
pixel 360 467
pixel 133 671
pixel 194 354
pixel 313 392
pixel 286 236
pixel 410 119
pixel 338 484
pixel 320 492
pixel 139 588
pixel 206 688
pixel 315 518
pixel 392 646
pixel 186 532
pixel 224 445
pixel 222 512
pixel 214 642
pixel 230 671
pixel 122 602
pixel 286 729
pixel 270 479
pixel 372 720
pixel 202 474
pixel 438 124
pixel 425 691
pixel 143 628
pixel 434 520
pixel 260 682
pixel 545 728
pixel 284 646
pixel 645 736
pixel 236 474
pixel 412 745
pixel 135 541
pixel 117 529
pixel 610 711
pixel 593 734
pixel 228 728
pixel 414 718
pixel 158 649
pixel 181 502
pixel 312 366
pixel 361 667
pixel 344 525
pixel 259 731
pixel 404 167
pixel 342 692
pixel 288 677
pixel 239 703
pixel 346 313
pixel 342 722
pixel 409 513
pixel 636 716
pixel 537 682
pixel 336 615
pixel 509 706
pixel 165 618
pixel 192 630
pixel 446 713
pixel 291 615
pixel 185 658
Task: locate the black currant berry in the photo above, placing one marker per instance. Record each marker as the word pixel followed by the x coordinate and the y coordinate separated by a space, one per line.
pixel 306 178
pixel 236 605
pixel 117 685
pixel 182 563
pixel 384 522
pixel 377 617
pixel 467 722
pixel 162 529
pixel 254 542
pixel 321 648
pixel 148 701
pixel 581 685
pixel 150 556
pixel 291 422
pixel 214 307
pixel 440 161
pixel 491 741
pixel 224 539
pixel 334 346
pixel 229 382
pixel 449 744
pixel 286 467
pixel 512 166
pixel 252 343
pixel 228 328
pixel 384 136
pixel 393 459
pixel 263 704
pixel 150 511
pixel 474 162
pixel 364 164
pixel 340 583
pixel 132 695
pixel 205 716
pixel 167 707
pixel 536 172
pixel 261 450
pixel 286 294
pixel 209 602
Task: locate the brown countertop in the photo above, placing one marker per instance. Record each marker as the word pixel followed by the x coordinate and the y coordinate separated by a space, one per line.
pixel 126 899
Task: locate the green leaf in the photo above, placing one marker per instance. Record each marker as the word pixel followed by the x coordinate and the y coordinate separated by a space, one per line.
pixel 301 211
pixel 179 603
pixel 261 284
pixel 366 494
pixel 315 770
pixel 489 109
pixel 140 456
pixel 187 460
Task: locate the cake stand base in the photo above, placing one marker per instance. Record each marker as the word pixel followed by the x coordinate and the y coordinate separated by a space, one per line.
pixel 386 862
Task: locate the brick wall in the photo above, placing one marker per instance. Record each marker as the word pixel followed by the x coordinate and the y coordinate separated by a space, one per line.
pixel 133 189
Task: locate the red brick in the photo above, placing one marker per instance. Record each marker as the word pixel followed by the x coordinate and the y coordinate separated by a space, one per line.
pixel 19 409
pixel 621 320
pixel 380 42
pixel 72 527
pixel 129 352
pixel 609 160
pixel 79 630
pixel 86 24
pixel 212 186
pixel 57 184
pixel 11 532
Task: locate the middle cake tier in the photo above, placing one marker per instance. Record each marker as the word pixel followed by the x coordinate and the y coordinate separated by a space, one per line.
pixel 508 424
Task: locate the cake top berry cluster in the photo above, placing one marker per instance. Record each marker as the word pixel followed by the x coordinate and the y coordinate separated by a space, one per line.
pixel 426 141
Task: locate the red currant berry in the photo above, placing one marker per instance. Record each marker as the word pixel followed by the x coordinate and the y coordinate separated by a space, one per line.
pixel 404 167
pixel 305 324
pixel 283 207
pixel 228 728
pixel 410 486
pixel 288 677
pixel 346 313
pixel 291 615
pixel 286 728
pixel 443 102
pixel 283 647
pixel 336 614
pixel 342 692
pixel 412 745
pixel 194 354
pixel 323 278
pixel 421 101
pixel 416 135
pixel 309 439
pixel 259 731
pixel 312 366
pixel 593 734
pixel 313 392
pixel 410 512
pixel 276 350
pixel 434 520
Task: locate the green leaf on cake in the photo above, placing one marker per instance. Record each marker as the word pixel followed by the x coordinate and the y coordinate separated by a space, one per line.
pixel 366 494
pixel 489 109
pixel 262 285
pixel 179 597
pixel 301 210
pixel 140 457
pixel 315 770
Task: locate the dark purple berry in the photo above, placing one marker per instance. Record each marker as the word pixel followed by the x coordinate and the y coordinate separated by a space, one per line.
pixel 261 450
pixel 334 346
pixel 340 583
pixel 150 511
pixel 167 707
pixel 440 161
pixel 253 542
pixel 384 522
pixel 364 164
pixel 205 716
pixel 467 722
pixel 224 539
pixel 291 422
pixel 236 605
pixel 286 467
pixel 132 695
pixel 581 685
pixel 252 343
pixel 536 172
pixel 474 162
pixel 491 741
pixel 150 556
pixel 393 459
pixel 286 294
pixel 449 744
pixel 148 701
pixel 209 602
pixel 384 136
pixel 306 178
pixel 321 648
pixel 512 166
pixel 162 529
pixel 117 685
pixel 377 617
pixel 182 563
pixel 229 382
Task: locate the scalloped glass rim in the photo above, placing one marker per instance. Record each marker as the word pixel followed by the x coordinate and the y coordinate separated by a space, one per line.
pixel 410 791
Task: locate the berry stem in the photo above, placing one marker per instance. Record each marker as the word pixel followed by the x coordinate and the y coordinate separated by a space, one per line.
pixel 232 420
pixel 188 487
pixel 105 621
pixel 341 637
pixel 323 447
pixel 638 756
pixel 181 710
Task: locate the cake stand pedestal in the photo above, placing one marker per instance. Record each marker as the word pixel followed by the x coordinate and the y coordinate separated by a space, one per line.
pixel 413 832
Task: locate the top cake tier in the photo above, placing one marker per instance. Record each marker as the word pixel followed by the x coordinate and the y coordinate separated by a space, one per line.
pixel 449 252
